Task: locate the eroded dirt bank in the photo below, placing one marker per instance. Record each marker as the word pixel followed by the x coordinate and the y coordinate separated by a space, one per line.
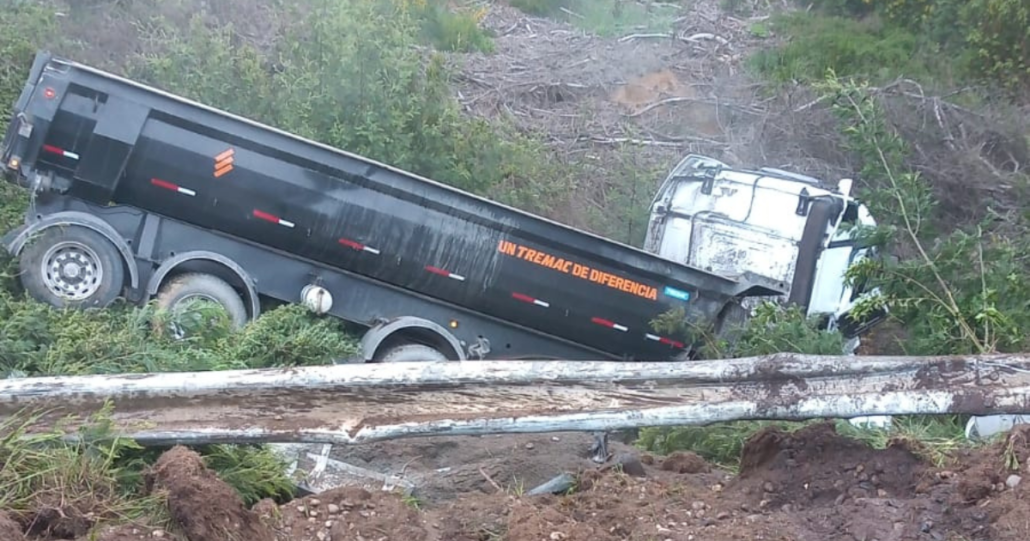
pixel 810 485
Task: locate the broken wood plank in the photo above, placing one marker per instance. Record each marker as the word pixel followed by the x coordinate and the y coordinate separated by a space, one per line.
pixel 348 404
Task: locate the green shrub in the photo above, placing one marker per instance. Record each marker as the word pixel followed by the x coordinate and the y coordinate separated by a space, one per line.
pixel 988 38
pixel 448 30
pixel 852 48
pixel 1000 37
pixel 349 76
pixel 541 7
pixel 849 8
pixel 18 47
pixel 965 291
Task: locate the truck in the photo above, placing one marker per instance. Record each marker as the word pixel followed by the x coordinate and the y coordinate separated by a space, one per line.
pixel 784 225
pixel 145 196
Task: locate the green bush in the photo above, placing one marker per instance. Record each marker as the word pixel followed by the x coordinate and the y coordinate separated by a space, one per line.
pixel 541 7
pixel 965 291
pixel 349 76
pixel 1000 37
pixel 988 38
pixel 849 8
pixel 17 48
pixel 449 30
pixel 852 48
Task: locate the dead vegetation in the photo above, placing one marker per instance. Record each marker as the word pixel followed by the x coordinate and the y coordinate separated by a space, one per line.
pixel 660 96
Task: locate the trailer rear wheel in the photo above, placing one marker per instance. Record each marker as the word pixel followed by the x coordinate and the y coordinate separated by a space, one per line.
pixel 411 353
pixel 185 288
pixel 72 267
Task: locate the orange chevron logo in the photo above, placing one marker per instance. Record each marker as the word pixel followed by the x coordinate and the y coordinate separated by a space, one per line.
pixel 223 162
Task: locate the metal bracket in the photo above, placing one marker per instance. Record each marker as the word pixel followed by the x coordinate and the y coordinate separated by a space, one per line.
pixel 804 202
pixel 709 180
pixel 480 349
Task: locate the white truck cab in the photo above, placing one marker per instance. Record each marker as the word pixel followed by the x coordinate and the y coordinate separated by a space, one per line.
pixel 783 225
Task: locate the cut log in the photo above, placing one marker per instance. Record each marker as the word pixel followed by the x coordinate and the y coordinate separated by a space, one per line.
pixel 348 404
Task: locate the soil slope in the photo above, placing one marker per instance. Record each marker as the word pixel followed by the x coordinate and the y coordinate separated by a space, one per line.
pixel 809 485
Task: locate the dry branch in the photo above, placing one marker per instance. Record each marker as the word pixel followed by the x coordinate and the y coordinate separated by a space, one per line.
pixel 362 403
pixel 632 37
pixel 704 36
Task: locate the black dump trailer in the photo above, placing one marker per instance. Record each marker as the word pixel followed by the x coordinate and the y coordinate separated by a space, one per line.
pixel 141 194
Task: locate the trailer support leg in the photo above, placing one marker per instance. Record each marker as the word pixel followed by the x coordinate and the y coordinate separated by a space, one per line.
pixel 600 447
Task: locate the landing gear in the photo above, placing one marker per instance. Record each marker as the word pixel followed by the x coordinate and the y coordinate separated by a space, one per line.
pixel 599 449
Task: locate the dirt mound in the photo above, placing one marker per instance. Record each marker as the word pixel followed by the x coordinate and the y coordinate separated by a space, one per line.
pixel 991 469
pixel 613 506
pixel 992 486
pixel 345 513
pixel 204 506
pixel 680 462
pixel 815 466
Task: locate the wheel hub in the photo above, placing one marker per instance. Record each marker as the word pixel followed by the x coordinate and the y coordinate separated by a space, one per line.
pixel 72 270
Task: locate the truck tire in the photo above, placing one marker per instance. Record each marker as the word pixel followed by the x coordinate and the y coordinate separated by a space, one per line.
pixel 731 322
pixel 72 267
pixel 203 286
pixel 411 353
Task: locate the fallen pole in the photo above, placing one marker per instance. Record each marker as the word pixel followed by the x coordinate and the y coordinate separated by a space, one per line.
pixel 349 404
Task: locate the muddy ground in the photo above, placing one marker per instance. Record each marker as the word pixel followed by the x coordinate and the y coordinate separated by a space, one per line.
pixel 810 485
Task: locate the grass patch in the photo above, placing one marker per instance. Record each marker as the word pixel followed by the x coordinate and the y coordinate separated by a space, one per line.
pixel 39 340
pixel 937 437
pixel 719 443
pixel 70 489
pixel 65 487
pixel 866 48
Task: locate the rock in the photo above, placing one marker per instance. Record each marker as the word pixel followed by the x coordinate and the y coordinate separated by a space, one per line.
pixel 314 503
pixel 629 464
pixel 1013 481
pixel 530 446
pixel 698 506
pixel 557 536
pixel 723 516
pixel 768 487
pixel 157 534
pixel 333 509
pixel 557 485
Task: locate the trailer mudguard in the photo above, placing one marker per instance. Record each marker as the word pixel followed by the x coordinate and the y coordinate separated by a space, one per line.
pixel 17 241
pixel 435 334
pixel 171 263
